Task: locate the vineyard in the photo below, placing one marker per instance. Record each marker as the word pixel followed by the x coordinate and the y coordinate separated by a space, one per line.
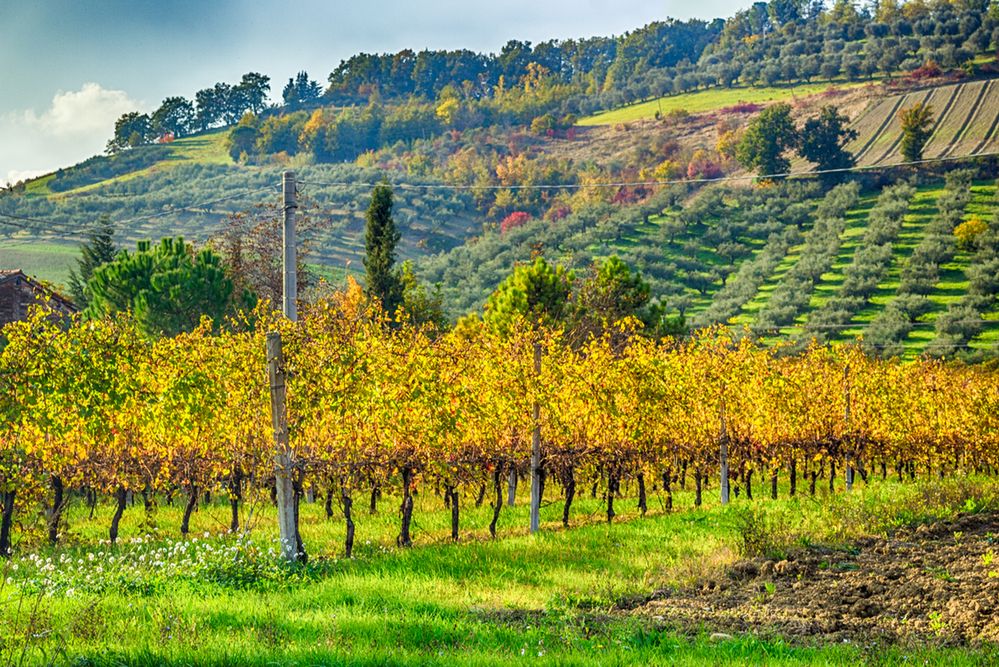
pixel 96 409
pixel 966 122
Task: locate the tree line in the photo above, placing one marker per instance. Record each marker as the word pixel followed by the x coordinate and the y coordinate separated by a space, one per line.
pixel 778 42
pixel 221 105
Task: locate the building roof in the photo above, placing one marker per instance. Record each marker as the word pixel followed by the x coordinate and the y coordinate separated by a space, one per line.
pixel 37 286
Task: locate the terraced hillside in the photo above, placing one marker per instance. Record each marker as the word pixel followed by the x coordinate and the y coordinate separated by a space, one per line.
pixel 713 99
pixel 907 292
pixel 189 187
pixel 688 250
pixel 966 122
pixel 787 261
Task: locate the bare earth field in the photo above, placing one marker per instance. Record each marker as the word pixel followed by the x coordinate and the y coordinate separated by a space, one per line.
pixel 937 583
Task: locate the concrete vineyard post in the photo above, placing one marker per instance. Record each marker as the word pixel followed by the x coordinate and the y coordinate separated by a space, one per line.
pixel 287 525
pixel 536 450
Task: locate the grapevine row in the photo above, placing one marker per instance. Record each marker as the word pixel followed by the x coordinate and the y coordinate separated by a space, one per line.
pixel 94 407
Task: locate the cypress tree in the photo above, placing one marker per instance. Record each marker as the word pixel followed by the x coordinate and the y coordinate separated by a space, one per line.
pixel 380 239
pixel 98 250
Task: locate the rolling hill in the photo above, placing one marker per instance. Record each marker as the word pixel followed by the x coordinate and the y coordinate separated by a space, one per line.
pixel 189 188
pixel 685 250
pixel 568 137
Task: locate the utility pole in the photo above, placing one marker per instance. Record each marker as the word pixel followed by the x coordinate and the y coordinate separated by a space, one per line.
pixel 290 258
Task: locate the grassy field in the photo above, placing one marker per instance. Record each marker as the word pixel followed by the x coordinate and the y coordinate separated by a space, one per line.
pixel 52 261
pixel 561 597
pixel 42 259
pixel 206 148
pixel 708 100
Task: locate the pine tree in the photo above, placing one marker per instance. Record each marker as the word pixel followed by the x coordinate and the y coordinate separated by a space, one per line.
pixel 380 240
pixel 98 250
pixel 168 287
pixel 538 293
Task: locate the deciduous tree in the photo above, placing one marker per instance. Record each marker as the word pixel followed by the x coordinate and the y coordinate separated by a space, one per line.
pixel 917 122
pixel 823 140
pixel 767 139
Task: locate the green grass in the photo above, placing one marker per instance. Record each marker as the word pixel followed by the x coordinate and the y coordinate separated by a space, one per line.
pixel 922 210
pixel 555 598
pixel 48 261
pixel 851 240
pixel 831 280
pixel 708 100
pixel 953 282
pixel 206 148
pixel 39 186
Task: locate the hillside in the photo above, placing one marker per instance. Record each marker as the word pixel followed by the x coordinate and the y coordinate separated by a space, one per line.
pixel 555 148
pixel 723 256
pixel 714 99
pixel 966 123
pixel 189 187
pixel 716 256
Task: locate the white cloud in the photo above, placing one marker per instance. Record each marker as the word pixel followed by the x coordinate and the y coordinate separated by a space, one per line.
pixel 15 175
pixel 81 112
pixel 76 125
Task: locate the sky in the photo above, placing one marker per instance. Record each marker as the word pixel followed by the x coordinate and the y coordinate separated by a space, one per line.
pixel 69 68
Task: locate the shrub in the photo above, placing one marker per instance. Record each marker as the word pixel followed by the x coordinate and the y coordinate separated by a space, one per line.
pixel 742 107
pixel 702 166
pixel 556 213
pixel 514 220
pixel 763 533
pixel 667 170
pixel 929 70
pixel 968 232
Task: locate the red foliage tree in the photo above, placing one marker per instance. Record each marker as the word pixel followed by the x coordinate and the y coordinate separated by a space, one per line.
pixel 930 70
pixel 515 219
pixel 702 166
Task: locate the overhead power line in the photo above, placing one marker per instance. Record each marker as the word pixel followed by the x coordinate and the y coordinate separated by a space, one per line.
pixel 69 229
pixel 186 207
pixel 647 183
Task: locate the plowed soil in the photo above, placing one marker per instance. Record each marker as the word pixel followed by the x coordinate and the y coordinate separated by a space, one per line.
pixel 937 582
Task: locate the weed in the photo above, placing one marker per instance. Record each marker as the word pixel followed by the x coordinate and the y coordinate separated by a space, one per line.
pixel 937 624
pixel 763 533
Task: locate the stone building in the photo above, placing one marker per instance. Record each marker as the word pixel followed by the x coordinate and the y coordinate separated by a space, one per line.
pixel 19 291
